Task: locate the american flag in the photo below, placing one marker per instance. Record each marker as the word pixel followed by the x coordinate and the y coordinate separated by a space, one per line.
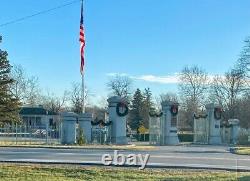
pixel 82 41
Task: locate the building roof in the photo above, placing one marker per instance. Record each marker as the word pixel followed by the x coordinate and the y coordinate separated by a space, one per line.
pixel 35 111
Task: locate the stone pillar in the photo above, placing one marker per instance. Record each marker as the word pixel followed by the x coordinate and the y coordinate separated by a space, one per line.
pixel 214 136
pixel 169 124
pixel 84 121
pixel 234 130
pixel 68 128
pixel 118 126
pixel 195 130
pixel 224 134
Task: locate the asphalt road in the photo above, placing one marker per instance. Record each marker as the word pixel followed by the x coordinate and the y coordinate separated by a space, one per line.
pixel 215 157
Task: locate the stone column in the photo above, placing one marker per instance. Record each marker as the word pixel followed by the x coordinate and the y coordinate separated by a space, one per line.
pixel 195 130
pixel 68 128
pixel 84 121
pixel 169 125
pixel 118 126
pixel 234 130
pixel 214 136
pixel 223 134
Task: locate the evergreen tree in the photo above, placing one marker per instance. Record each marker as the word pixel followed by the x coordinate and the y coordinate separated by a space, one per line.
pixel 148 106
pixel 8 104
pixel 136 109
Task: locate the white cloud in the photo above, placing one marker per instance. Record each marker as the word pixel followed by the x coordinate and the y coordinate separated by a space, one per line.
pixel 113 74
pixel 166 79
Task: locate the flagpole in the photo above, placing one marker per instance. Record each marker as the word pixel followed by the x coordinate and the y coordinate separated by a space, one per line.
pixel 83 86
pixel 83 95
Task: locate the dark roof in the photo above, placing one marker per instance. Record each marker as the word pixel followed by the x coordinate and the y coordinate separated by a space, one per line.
pixel 35 111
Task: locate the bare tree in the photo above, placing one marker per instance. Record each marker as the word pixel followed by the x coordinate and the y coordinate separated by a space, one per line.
pixel 193 88
pixel 193 84
pixel 97 112
pixel 25 88
pixel 102 103
pixel 170 96
pixel 54 103
pixel 242 110
pixel 33 91
pixel 120 86
pixel 76 97
pixel 227 89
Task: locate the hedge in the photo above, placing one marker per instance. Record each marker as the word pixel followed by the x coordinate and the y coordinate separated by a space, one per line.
pixel 183 137
pixel 141 137
pixel 186 137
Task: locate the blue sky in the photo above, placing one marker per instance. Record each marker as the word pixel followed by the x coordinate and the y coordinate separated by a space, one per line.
pixel 149 40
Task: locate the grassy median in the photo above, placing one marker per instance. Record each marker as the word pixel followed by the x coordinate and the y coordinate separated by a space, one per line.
pixel 243 150
pixel 62 173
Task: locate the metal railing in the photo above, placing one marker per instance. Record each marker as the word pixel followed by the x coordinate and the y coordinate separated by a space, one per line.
pixel 26 135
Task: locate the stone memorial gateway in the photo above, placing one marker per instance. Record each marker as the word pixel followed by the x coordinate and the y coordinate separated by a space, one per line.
pixel 214 113
pixel 118 110
pixel 117 123
pixel 169 123
pixel 163 126
pixel 207 127
pixel 84 121
pixel 68 128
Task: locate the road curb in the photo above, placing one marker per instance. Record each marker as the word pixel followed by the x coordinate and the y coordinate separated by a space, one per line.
pixel 115 147
pixel 128 166
pixel 51 147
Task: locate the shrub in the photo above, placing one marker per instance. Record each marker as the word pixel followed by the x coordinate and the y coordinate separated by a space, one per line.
pixel 243 138
pixel 186 137
pixel 142 137
pixel 81 139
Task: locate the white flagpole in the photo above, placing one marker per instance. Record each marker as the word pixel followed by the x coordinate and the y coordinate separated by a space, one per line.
pixel 83 94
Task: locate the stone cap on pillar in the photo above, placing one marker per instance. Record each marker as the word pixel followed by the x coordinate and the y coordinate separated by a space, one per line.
pixel 233 121
pixel 69 116
pixel 85 116
pixel 212 106
pixel 116 99
pixel 169 103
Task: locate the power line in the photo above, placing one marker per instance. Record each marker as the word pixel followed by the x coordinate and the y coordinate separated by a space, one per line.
pixel 38 13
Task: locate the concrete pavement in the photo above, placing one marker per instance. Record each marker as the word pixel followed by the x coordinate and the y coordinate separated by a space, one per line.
pixel 205 157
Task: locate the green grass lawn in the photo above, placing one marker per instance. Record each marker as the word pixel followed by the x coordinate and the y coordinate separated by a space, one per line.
pixel 243 151
pixel 62 173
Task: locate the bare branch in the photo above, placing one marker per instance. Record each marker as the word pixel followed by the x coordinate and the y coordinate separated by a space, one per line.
pixel 120 86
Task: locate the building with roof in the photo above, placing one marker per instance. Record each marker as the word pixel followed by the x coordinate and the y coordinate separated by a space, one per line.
pixel 38 117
